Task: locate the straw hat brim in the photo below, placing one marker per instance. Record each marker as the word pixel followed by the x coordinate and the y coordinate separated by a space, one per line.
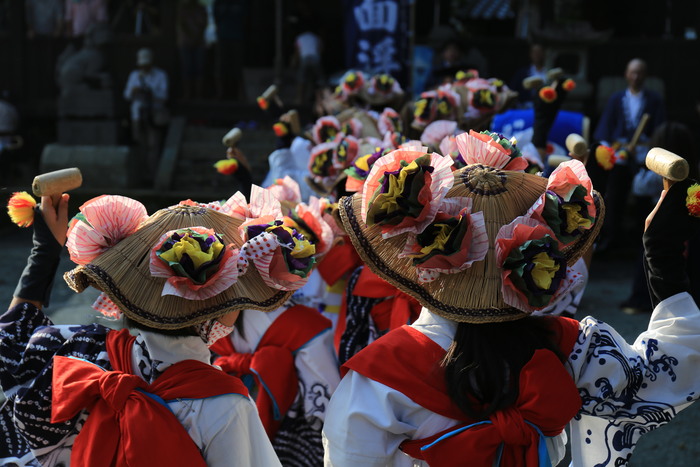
pixel 473 295
pixel 123 273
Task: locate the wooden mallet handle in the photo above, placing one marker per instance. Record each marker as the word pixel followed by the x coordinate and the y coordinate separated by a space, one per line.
pixel 638 131
pixel 554 74
pixel 293 120
pixel 576 145
pixel 57 182
pixel 270 92
pixel 555 160
pixel 672 167
pixel 533 82
pixel 231 138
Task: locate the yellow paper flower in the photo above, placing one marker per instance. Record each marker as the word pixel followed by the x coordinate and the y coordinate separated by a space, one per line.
pixel 191 247
pixel 420 107
pixel 544 270
pixel 302 248
pixel 574 219
pixel 362 162
pixel 440 240
pixel 388 202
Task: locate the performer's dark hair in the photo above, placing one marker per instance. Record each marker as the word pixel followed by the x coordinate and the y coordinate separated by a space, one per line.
pixel 482 366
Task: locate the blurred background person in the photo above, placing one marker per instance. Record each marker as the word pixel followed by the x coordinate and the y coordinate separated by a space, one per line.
pixel 620 119
pixel 307 56
pixel 535 68
pixel 81 14
pixel 147 91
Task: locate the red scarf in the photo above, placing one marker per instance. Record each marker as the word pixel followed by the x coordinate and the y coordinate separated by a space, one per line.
pixel 397 310
pixel 342 259
pixel 128 422
pixel 272 363
pixel 548 398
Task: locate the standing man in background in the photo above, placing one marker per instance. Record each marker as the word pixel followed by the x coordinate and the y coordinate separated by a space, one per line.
pixel 616 127
pixel 147 91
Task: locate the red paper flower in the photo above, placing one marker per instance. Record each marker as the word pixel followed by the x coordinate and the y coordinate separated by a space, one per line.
pixel 263 103
pixel 569 85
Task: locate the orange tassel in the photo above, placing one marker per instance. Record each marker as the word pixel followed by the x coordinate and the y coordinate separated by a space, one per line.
pixel 569 85
pixel 227 166
pixel 280 129
pixel 605 157
pixel 548 94
pixel 20 207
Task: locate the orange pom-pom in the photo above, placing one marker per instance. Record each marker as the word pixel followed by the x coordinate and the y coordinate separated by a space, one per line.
pixel 548 94
pixel 20 207
pixel 227 166
pixel 280 129
pixel 569 85
pixel 605 156
pixel 263 103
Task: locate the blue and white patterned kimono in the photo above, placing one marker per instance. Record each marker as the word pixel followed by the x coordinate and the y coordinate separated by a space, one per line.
pixel 626 390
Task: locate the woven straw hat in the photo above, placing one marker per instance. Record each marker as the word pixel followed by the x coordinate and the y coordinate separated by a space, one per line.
pixel 474 294
pixel 123 273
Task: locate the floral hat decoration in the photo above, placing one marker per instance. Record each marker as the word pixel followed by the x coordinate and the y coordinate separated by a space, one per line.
pixel 351 83
pixel 485 243
pixel 325 129
pixel 181 266
pixel 284 249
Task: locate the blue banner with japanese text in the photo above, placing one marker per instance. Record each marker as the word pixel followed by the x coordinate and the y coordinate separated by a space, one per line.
pixel 377 36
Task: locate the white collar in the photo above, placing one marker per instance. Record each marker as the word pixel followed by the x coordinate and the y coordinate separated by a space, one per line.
pixel 440 330
pixel 170 349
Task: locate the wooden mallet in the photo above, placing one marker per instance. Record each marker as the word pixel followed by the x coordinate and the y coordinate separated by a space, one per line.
pixel 577 146
pixel 232 138
pixel 57 182
pixel 267 96
pixel 672 167
pixel 533 82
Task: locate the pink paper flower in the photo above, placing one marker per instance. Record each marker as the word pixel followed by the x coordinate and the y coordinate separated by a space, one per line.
pixel 102 223
pixel 404 191
pixel 286 189
pixel 481 148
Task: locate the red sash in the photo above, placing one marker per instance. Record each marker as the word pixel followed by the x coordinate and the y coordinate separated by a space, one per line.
pixel 397 310
pixel 339 261
pixel 548 399
pixel 272 363
pixel 129 423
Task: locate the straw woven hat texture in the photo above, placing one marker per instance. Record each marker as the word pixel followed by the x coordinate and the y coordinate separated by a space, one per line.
pixel 472 295
pixel 123 273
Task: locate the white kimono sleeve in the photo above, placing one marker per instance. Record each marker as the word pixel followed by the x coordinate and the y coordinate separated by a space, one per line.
pixel 628 390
